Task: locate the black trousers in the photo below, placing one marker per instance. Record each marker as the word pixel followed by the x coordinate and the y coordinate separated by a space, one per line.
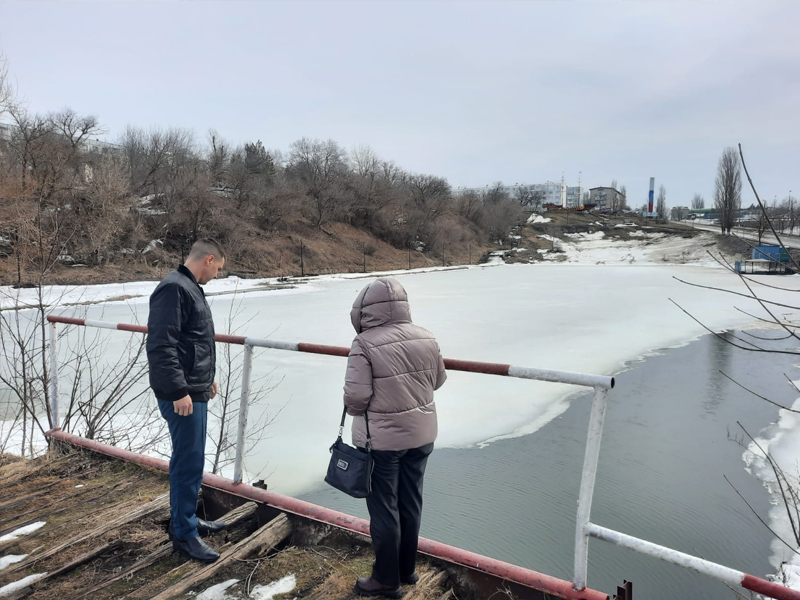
pixel 395 510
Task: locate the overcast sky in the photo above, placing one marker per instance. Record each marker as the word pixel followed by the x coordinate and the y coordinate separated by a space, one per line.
pixel 472 91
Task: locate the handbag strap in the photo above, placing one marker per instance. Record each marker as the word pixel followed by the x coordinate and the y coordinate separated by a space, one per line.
pixel 366 422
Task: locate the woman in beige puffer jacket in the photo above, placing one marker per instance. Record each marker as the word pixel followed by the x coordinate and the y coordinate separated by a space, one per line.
pixel 393 369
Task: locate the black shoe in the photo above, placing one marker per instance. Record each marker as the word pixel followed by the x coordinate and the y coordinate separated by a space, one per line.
pixel 208 527
pixel 411 579
pixel 195 548
pixel 367 586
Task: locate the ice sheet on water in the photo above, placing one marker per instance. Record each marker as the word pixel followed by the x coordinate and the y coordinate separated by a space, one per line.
pixel 528 315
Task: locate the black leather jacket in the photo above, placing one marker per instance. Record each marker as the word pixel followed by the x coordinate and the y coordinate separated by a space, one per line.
pixel 180 343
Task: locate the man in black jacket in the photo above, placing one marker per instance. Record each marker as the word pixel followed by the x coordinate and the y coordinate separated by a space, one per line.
pixel 182 356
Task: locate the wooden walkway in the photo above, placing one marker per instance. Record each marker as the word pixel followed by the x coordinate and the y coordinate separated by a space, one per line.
pixel 76 525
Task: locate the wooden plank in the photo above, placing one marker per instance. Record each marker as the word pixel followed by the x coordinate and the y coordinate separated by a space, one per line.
pixel 79 561
pixel 261 542
pixel 160 503
pixel 234 517
pixel 161 552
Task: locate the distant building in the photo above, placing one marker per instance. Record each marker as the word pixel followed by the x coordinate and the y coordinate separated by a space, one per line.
pixel 548 193
pixel 605 198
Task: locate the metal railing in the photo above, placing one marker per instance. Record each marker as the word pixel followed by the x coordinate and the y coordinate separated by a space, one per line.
pixel 584 528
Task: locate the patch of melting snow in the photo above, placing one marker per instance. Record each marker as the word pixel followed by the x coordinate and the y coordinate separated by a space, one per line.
pixel 534 218
pixel 15 586
pixel 496 258
pixel 10 559
pixel 269 591
pixel 217 592
pixel 80 485
pixel 597 235
pixel 22 531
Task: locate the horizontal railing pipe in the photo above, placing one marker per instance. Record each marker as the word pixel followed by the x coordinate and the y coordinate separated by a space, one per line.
pixel 487 368
pixel 726 574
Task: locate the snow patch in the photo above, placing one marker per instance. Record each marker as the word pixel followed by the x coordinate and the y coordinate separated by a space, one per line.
pixel 217 592
pixel 80 485
pixel 152 246
pixel 22 531
pixel 534 218
pixel 281 586
pixel 496 258
pixel 597 235
pixel 10 559
pixel 15 586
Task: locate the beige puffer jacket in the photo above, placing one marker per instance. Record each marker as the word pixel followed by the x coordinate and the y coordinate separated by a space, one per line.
pixel 393 369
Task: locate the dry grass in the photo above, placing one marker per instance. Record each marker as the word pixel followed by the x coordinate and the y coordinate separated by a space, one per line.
pixel 337 248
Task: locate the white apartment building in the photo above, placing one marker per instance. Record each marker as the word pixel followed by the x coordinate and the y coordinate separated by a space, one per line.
pixel 551 192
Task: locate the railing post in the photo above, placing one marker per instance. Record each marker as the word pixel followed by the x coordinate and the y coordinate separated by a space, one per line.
pixel 54 376
pixel 244 405
pixel 587 486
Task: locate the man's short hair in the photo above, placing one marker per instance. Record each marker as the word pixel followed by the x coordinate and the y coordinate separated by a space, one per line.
pixel 205 247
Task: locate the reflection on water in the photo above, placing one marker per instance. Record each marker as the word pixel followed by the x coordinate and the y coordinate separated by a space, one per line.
pixel 719 358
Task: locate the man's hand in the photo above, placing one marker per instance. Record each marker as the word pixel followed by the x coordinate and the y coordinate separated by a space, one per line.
pixel 214 390
pixel 183 406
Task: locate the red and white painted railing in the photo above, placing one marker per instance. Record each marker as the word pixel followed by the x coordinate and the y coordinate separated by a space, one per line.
pixel 584 529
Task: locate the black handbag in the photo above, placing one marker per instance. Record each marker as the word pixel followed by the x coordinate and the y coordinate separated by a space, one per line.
pixel 350 469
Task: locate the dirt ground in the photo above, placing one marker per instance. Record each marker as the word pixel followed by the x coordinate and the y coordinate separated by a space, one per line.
pixel 337 248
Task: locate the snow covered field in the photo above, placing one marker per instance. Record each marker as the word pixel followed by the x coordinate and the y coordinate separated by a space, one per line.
pixel 646 248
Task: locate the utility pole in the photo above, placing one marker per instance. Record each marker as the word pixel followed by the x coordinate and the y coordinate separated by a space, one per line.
pixel 365 260
pixel 442 255
pixel 469 252
pixel 409 255
pixel 302 266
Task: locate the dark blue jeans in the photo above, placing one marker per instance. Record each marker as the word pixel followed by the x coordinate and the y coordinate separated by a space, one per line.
pixel 188 436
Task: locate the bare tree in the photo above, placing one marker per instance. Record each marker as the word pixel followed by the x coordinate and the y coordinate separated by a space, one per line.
pixel 661 203
pixel 218 158
pixel 623 201
pixel 428 193
pixel 728 189
pixel 614 183
pixel 6 91
pixel 470 206
pixel 371 192
pixel 698 201
pixel 321 166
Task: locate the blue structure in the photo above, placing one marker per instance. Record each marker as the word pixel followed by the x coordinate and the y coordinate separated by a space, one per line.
pixel 774 253
pixel 766 260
